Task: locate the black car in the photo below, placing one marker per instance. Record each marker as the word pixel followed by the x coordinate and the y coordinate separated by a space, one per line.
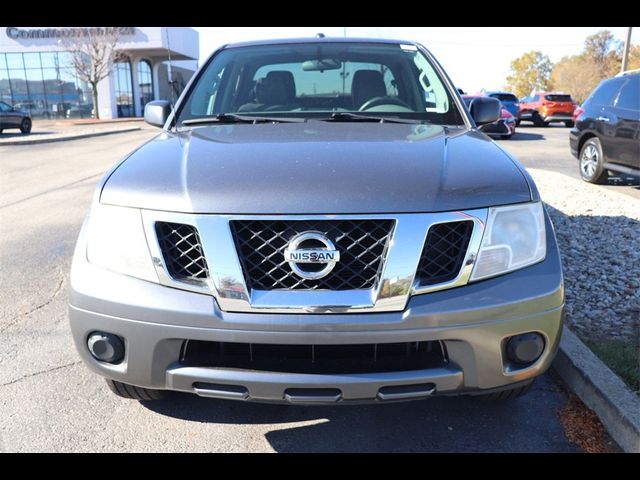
pixel 13 118
pixel 80 111
pixel 606 137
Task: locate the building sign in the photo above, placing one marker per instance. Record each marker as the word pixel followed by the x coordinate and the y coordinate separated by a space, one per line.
pixel 19 33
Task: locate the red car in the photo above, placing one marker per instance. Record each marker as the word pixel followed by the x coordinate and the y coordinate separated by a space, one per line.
pixel 502 128
pixel 543 108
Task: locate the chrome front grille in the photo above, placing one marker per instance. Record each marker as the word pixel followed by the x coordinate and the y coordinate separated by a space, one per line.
pixel 443 252
pixel 362 245
pixel 182 251
pixel 383 260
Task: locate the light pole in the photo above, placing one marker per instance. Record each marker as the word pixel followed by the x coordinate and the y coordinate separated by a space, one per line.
pixel 625 53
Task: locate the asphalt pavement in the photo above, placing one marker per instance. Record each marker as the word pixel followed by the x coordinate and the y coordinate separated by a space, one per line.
pixel 50 402
pixel 548 149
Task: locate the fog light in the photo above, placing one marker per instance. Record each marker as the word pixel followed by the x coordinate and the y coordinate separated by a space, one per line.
pixel 526 348
pixel 106 347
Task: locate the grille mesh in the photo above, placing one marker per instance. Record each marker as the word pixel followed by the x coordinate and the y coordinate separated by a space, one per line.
pixel 182 251
pixel 444 252
pixel 362 245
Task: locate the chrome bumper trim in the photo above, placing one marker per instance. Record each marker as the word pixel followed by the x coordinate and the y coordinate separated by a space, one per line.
pixel 290 387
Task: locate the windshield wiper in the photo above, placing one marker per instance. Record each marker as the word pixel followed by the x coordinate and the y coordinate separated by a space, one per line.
pixel 233 118
pixel 355 117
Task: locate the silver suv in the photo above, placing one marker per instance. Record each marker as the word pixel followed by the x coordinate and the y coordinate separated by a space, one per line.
pixel 320 221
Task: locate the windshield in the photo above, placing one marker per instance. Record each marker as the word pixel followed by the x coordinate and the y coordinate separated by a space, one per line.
pixel 558 98
pixel 319 79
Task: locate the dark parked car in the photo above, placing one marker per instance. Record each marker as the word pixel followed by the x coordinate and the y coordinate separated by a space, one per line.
pixel 13 118
pixel 502 128
pixel 607 132
pixel 80 111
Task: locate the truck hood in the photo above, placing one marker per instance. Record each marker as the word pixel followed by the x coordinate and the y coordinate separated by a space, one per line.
pixel 317 168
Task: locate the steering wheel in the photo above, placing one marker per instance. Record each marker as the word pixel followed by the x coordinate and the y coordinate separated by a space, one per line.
pixel 376 101
pixel 273 108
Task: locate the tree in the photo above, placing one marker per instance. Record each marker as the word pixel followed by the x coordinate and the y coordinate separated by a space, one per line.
pixel 604 52
pixel 529 72
pixel 600 58
pixel 634 57
pixel 93 55
pixel 575 75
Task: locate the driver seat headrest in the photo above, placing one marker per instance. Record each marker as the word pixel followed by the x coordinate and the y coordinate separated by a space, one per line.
pixel 367 84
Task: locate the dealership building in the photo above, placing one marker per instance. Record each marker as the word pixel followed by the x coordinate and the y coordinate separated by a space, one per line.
pixel 36 72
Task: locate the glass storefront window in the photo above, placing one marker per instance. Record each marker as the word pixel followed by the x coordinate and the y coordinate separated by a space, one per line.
pixel 18 83
pixel 32 60
pixel 37 103
pixel 145 82
pixel 45 84
pixel 5 87
pixel 14 60
pixel 49 59
pixel 124 89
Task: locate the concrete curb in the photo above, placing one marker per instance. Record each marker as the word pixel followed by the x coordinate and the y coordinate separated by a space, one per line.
pixel 601 390
pixel 68 137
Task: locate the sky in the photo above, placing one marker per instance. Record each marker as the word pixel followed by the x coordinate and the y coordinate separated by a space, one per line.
pixel 474 57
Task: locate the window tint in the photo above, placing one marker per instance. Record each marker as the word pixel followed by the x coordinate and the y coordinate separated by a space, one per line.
pixel 629 97
pixel 505 97
pixel 4 107
pixel 558 98
pixel 606 92
pixel 535 98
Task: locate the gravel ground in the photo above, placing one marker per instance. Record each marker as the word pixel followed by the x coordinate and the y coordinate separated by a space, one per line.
pixel 598 232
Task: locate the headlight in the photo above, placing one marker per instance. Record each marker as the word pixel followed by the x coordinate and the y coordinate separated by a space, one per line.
pixel 515 237
pixel 116 241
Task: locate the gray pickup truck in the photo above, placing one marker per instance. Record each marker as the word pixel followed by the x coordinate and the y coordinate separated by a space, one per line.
pixel 320 221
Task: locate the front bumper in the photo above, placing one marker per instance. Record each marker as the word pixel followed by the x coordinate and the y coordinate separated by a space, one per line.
pixel 472 322
pixel 558 117
pixel 574 141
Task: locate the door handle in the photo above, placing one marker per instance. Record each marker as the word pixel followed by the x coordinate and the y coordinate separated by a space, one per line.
pixel 603 119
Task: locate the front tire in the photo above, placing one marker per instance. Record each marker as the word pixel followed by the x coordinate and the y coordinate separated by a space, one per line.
pixel 591 162
pixel 132 392
pixel 505 394
pixel 25 126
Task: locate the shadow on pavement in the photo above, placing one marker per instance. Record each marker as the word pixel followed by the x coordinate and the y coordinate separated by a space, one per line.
pixel 519 135
pixel 444 424
pixel 551 125
pixel 624 180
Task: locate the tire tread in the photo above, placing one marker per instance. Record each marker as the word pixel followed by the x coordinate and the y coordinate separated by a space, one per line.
pixel 132 392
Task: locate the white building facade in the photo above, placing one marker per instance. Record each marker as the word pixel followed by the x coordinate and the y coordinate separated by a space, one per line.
pixel 35 71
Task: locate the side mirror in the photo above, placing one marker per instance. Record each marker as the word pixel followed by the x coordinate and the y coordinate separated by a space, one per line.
pixel 485 110
pixel 157 112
